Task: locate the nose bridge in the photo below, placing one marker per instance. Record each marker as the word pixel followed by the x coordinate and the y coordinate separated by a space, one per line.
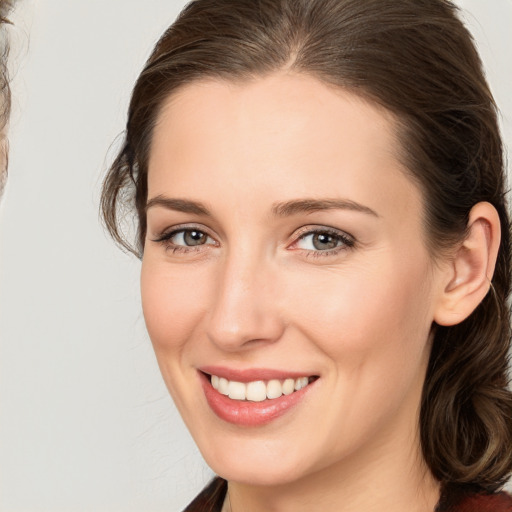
pixel 244 309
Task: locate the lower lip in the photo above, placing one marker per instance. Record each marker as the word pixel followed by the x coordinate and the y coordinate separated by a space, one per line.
pixel 246 413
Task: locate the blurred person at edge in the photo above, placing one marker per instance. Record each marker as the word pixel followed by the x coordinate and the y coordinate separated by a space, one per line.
pixel 319 187
pixel 5 92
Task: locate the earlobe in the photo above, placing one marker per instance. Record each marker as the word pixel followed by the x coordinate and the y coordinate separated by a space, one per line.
pixel 470 271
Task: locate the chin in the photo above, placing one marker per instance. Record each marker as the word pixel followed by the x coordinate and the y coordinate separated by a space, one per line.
pixel 256 462
pixel 256 474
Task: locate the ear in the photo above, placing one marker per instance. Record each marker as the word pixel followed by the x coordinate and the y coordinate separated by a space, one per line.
pixel 469 272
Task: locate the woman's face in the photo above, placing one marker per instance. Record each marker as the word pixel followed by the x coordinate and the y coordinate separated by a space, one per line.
pixel 285 244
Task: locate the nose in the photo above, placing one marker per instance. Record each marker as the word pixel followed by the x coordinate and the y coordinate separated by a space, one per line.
pixel 245 311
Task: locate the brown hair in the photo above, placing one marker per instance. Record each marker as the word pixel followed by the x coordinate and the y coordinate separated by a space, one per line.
pixel 415 58
pixel 5 91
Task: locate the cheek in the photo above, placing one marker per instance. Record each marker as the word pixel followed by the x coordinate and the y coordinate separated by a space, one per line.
pixel 375 316
pixel 373 328
pixel 173 304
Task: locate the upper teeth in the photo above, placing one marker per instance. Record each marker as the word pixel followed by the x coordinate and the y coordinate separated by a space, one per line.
pixel 258 390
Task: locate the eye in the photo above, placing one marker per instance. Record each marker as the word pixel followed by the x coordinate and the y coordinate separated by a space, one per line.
pixel 185 239
pixel 189 237
pixel 326 241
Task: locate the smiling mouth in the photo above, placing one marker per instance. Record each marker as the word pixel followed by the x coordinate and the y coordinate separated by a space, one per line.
pixel 259 390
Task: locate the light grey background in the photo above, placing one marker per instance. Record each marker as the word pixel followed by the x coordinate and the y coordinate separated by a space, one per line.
pixel 85 420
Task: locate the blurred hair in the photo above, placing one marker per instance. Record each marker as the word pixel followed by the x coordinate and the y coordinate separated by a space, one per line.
pixel 416 59
pixel 5 91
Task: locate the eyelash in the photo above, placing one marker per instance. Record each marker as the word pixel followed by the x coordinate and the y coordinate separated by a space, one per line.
pixel 165 239
pixel 347 241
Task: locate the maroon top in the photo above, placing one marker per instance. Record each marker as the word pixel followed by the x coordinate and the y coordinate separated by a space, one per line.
pixel 211 499
pixel 501 502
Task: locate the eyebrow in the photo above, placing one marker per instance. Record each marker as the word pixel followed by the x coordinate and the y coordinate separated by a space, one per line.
pixel 313 205
pixel 283 209
pixel 179 205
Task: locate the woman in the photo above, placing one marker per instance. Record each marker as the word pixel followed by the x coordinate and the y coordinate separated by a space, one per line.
pixel 319 191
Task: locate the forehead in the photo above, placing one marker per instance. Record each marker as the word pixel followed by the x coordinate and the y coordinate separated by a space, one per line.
pixel 288 105
pixel 284 135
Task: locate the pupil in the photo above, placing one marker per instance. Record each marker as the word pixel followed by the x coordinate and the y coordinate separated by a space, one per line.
pixel 194 238
pixel 324 241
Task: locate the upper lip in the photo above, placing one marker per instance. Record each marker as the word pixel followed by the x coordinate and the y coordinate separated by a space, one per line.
pixel 253 374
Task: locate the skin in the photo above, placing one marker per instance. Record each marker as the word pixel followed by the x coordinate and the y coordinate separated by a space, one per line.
pixel 259 294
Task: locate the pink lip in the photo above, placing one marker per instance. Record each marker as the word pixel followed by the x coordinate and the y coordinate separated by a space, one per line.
pixel 250 414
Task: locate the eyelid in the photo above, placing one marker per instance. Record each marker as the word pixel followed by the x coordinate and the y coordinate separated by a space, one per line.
pixel 320 228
